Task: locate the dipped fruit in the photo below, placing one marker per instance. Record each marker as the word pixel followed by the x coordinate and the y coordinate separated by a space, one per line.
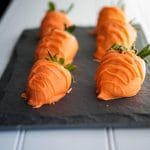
pixel 121 73
pixel 49 81
pixel 60 43
pixel 54 19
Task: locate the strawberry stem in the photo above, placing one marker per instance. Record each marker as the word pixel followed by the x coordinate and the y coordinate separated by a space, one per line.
pixel 51 6
pixel 70 29
pixel 119 48
pixel 69 8
pixel 70 67
pixel 144 52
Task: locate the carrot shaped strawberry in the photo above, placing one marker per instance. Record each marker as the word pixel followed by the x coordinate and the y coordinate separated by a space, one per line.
pixel 110 13
pixel 112 27
pixel 112 32
pixel 54 19
pixel 60 43
pixel 48 82
pixel 121 73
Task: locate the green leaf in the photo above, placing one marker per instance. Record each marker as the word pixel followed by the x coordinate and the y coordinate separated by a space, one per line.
pixel 132 21
pixel 50 56
pixel 146 60
pixel 115 46
pixel 70 67
pixel 144 52
pixel 51 6
pixel 70 29
pixel 119 48
pixel 54 58
pixel 61 61
pixel 69 8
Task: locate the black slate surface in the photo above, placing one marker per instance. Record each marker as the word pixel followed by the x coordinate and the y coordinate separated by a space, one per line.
pixel 78 109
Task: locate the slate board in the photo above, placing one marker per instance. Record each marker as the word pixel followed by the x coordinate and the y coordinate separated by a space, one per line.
pixel 80 108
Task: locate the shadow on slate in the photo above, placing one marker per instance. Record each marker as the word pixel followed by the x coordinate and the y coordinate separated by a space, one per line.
pixel 80 108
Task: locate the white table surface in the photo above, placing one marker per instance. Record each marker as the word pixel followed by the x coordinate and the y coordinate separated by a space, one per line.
pixel 24 14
